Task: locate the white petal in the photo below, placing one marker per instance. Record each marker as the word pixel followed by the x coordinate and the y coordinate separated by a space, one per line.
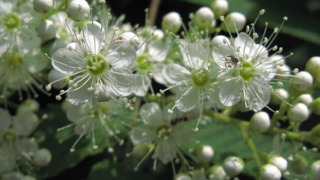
pixel 93 37
pixel 7 160
pixel 142 85
pixel 165 151
pixel 157 70
pixel 26 146
pixel 187 99
pixel 25 123
pixel 5 120
pixel 75 113
pixel 142 134
pixel 80 94
pixel 121 82
pixel 67 61
pixel 28 40
pixel 151 114
pixel 121 54
pixel 244 44
pixel 158 50
pixel 194 55
pixel 230 91
pixel 175 74
pixel 258 94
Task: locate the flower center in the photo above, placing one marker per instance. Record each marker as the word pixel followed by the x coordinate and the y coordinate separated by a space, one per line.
pixel 247 71
pixel 11 20
pixel 96 64
pixel 200 77
pixel 102 109
pixel 163 132
pixel 14 60
pixel 142 63
pixel 9 137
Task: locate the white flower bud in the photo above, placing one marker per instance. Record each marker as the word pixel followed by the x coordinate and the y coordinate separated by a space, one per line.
pixel 233 165
pixel 42 157
pixel 61 79
pixel 280 162
pixel 278 59
pixel 315 169
pixel 260 122
pixel 305 99
pixel 282 71
pixel 205 153
pixel 234 22
pixel 278 95
pixel 182 177
pixel 313 65
pixel 42 6
pixel 270 172
pixel 46 30
pixel 219 7
pixel 298 112
pixel 203 18
pixel 302 81
pixel 131 38
pixel 220 40
pixel 158 33
pixel 171 22
pixel 217 173
pixel 78 9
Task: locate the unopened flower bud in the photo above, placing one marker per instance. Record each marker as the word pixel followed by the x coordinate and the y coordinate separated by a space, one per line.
pixel 217 173
pixel 278 95
pixel 315 106
pixel 41 157
pixel 220 40
pixel 60 79
pixel 298 112
pixel 234 22
pixel 315 169
pixel 42 6
pixel 299 164
pixel 260 122
pixel 305 99
pixel 78 9
pixel 233 165
pixel 131 38
pixel 46 30
pixel 280 162
pixel 203 18
pixel 182 176
pixel 171 22
pixel 219 7
pixel 29 105
pixel 302 81
pixel 313 65
pixel 204 153
pixel 270 172
pixel 283 72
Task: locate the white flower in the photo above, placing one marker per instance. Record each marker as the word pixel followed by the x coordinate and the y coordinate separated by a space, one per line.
pixel 14 29
pixel 168 139
pixel 96 65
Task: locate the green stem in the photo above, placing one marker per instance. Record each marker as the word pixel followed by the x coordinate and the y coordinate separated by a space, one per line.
pixel 250 143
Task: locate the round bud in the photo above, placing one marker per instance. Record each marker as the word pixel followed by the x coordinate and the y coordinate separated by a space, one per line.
pixel 29 105
pixel 46 30
pixel 60 79
pixel 158 33
pixel 42 157
pixel 204 153
pixel 182 176
pixel 233 165
pixel 234 22
pixel 313 65
pixel 299 164
pixel 217 173
pixel 280 162
pixel 220 40
pixel 317 77
pixel 131 38
pixel 171 22
pixel 283 72
pixel 305 99
pixel 203 18
pixel 278 59
pixel 315 169
pixel 270 172
pixel 42 6
pixel 315 106
pixel 302 81
pixel 260 122
pixel 298 112
pixel 78 9
pixel 219 7
pixel 278 95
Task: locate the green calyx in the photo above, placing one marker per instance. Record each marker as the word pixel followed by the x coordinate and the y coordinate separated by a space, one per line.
pixel 247 71
pixel 14 60
pixel 96 64
pixel 9 137
pixel 143 63
pixel 11 20
pixel 200 77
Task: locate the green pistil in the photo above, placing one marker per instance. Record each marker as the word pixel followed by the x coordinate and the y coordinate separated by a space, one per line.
pixel 9 137
pixel 11 20
pixel 247 71
pixel 14 60
pixel 96 64
pixel 200 77
pixel 143 63
pixel 163 132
